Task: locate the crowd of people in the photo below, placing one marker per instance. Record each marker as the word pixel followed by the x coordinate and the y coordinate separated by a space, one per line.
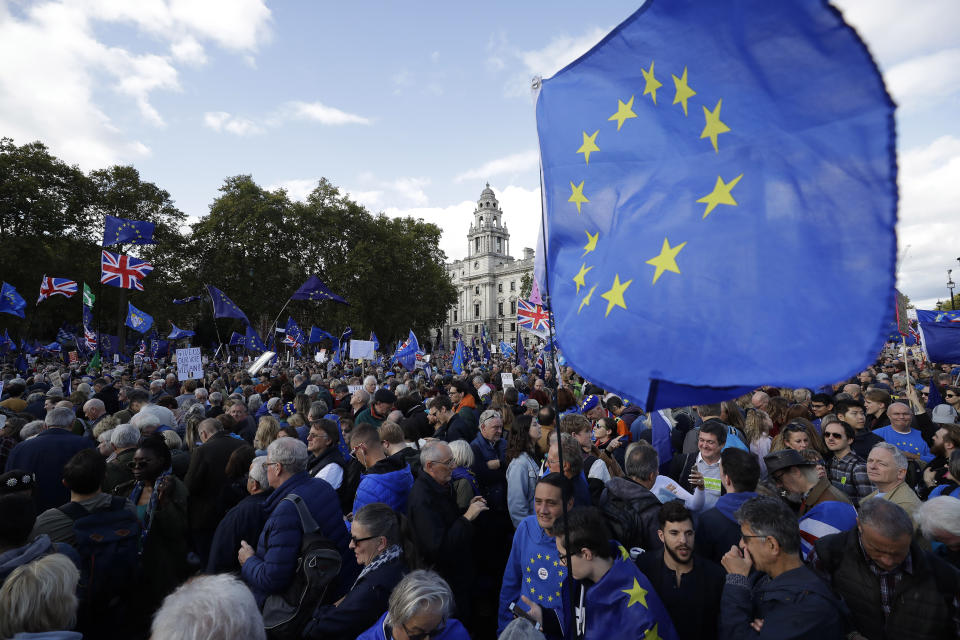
pixel 325 503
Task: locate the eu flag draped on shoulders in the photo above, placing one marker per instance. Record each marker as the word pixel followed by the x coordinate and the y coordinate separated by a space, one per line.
pixel 314 289
pixel 138 320
pixel 700 152
pixel 223 307
pixel 120 230
pixel 10 301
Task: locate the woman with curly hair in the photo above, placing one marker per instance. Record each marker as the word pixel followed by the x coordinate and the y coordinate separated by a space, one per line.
pixel 523 467
pixel 756 427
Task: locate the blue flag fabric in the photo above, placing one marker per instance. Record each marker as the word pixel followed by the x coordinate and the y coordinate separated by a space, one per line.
pixel 938 316
pixel 407 353
pixel 699 152
pixel 159 348
pixel 521 356
pixel 375 341
pixel 6 344
pixel 314 289
pixel 87 316
pixel 27 348
pixel 294 336
pixel 660 435
pixel 223 306
pixel 237 339
pixel 10 301
pixel 187 299
pixel 177 333
pixel 458 358
pixel 941 341
pixel 121 230
pixel 253 341
pixel 506 349
pixel 138 320
pixel 319 335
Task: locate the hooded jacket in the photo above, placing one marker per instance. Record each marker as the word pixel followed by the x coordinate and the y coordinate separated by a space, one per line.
pixel 452 631
pixel 388 481
pixel 631 511
pixel 717 528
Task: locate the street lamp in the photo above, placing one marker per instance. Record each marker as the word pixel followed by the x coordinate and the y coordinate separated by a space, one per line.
pixel 950 285
pixel 939 305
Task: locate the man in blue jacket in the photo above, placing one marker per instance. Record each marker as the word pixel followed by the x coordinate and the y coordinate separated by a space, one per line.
pixel 717 528
pixel 385 479
pixel 270 569
pixel 783 598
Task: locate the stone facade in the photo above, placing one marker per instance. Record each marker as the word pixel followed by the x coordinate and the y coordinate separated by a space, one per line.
pixel 487 280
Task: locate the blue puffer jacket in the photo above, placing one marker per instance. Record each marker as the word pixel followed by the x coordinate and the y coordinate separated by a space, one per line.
pixel 453 630
pixel 271 569
pixel 388 481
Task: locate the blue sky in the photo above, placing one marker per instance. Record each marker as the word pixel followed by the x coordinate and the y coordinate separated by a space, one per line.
pixel 411 107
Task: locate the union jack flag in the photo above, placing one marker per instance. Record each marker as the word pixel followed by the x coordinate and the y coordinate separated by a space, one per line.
pixel 533 318
pixel 56 287
pixel 90 338
pixel 143 346
pixel 123 271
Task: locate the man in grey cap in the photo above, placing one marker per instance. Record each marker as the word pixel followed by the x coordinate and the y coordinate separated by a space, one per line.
pixel 824 509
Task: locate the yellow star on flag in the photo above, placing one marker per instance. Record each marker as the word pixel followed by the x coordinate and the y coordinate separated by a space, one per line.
pixel 549 598
pixel 584 303
pixel 652 633
pixel 580 282
pixel 684 92
pixel 548 556
pixel 577 196
pixel 614 296
pixel 529 579
pixel 714 126
pixel 652 84
pixel 539 556
pixel 637 594
pixel 667 260
pixel 720 194
pixel 540 597
pixel 591 242
pixel 589 145
pixel 625 112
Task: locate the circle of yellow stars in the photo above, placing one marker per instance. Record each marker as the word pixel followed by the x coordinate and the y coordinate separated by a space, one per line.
pixel 721 194
pixel 529 580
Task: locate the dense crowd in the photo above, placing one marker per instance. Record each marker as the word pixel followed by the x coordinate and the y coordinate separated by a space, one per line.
pixel 329 502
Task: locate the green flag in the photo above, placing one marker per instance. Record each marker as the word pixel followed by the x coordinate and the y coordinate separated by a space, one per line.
pixel 94 363
pixel 88 296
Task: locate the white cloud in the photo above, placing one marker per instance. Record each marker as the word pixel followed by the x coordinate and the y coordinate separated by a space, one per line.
pixel 223 121
pixel 54 61
pixel 516 163
pixel 369 191
pixel 297 189
pixel 411 189
pixel 918 81
pixel 323 114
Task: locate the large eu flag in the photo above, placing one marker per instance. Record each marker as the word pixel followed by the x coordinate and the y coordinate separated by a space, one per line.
pixel 223 307
pixel 120 230
pixel 314 289
pixel 720 192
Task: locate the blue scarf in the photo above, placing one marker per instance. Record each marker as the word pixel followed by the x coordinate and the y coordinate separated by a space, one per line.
pixel 151 506
pixel 463 472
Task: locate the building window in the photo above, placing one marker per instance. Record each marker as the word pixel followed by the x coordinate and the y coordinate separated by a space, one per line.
pixel 500 309
pixel 513 306
pixel 476 290
pixel 476 328
pixel 499 245
pixel 513 326
pixel 500 287
pixel 476 244
pixel 513 285
pixel 500 328
pixel 476 311
pixel 454 315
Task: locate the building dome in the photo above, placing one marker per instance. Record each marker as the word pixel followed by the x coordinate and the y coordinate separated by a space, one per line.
pixel 487 197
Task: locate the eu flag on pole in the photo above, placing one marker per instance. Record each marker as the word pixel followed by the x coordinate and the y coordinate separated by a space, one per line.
pixel 237 340
pixel 314 289
pixel 121 230
pixel 138 320
pixel 407 353
pixel 10 301
pixel 253 341
pixel 318 335
pixel 223 306
pixel 294 336
pixel 458 358
pixel 177 333
pixel 375 341
pixel 700 152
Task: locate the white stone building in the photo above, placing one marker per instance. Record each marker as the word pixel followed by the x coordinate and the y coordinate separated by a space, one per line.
pixel 487 280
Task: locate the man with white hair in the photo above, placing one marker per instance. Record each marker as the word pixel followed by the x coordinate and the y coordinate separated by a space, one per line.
pixel 209 608
pixel 270 569
pixel 156 390
pixel 123 441
pixel 242 522
pixel 46 454
pixel 95 411
pixel 887 470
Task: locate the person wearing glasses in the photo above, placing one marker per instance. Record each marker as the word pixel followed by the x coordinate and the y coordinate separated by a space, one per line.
pixel 769 592
pixel 420 608
pixel 846 470
pixel 380 540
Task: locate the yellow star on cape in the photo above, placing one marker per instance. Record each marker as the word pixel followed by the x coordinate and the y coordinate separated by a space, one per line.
pixel 667 260
pixel 539 597
pixel 539 556
pixel 529 579
pixel 624 112
pixel 549 598
pixel 614 296
pixel 589 145
pixel 720 194
pixel 714 126
pixel 580 282
pixel 684 92
pixel 576 195
pixel 584 303
pixel 637 594
pixel 591 242
pixel 548 556
pixel 555 562
pixel 652 633
pixel 652 84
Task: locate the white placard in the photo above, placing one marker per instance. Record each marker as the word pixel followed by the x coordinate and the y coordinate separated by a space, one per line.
pixel 189 364
pixel 361 350
pixel 116 358
pixel 354 387
pixel 506 379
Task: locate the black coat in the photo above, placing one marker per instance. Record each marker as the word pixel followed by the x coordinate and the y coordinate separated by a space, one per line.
pixel 242 522
pixel 206 478
pixel 110 397
pixel 696 616
pixel 416 422
pixel 361 607
pixel 457 429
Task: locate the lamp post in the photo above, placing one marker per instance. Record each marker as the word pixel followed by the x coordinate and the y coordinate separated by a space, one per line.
pixel 950 285
pixel 939 305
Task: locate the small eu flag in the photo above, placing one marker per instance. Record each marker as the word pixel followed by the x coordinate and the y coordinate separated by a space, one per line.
pixel 138 320
pixel 458 358
pixel 318 335
pixel 253 341
pixel 223 306
pixel 121 230
pixel 700 154
pixel 178 333
pixel 10 301
pixel 314 289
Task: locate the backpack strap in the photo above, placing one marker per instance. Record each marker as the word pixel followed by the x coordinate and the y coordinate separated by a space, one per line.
pixel 74 511
pixel 307 523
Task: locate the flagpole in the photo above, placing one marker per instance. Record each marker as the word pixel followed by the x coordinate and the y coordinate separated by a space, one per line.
pixel 277 319
pixel 215 327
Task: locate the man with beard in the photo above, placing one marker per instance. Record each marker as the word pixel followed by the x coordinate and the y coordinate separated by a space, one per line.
pixel 946 440
pixel 689 585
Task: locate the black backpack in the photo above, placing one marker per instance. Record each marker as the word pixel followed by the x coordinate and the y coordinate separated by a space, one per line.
pixel 285 615
pixel 108 544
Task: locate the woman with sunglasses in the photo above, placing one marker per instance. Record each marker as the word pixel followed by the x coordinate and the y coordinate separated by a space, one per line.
pixel 380 539
pixel 419 608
